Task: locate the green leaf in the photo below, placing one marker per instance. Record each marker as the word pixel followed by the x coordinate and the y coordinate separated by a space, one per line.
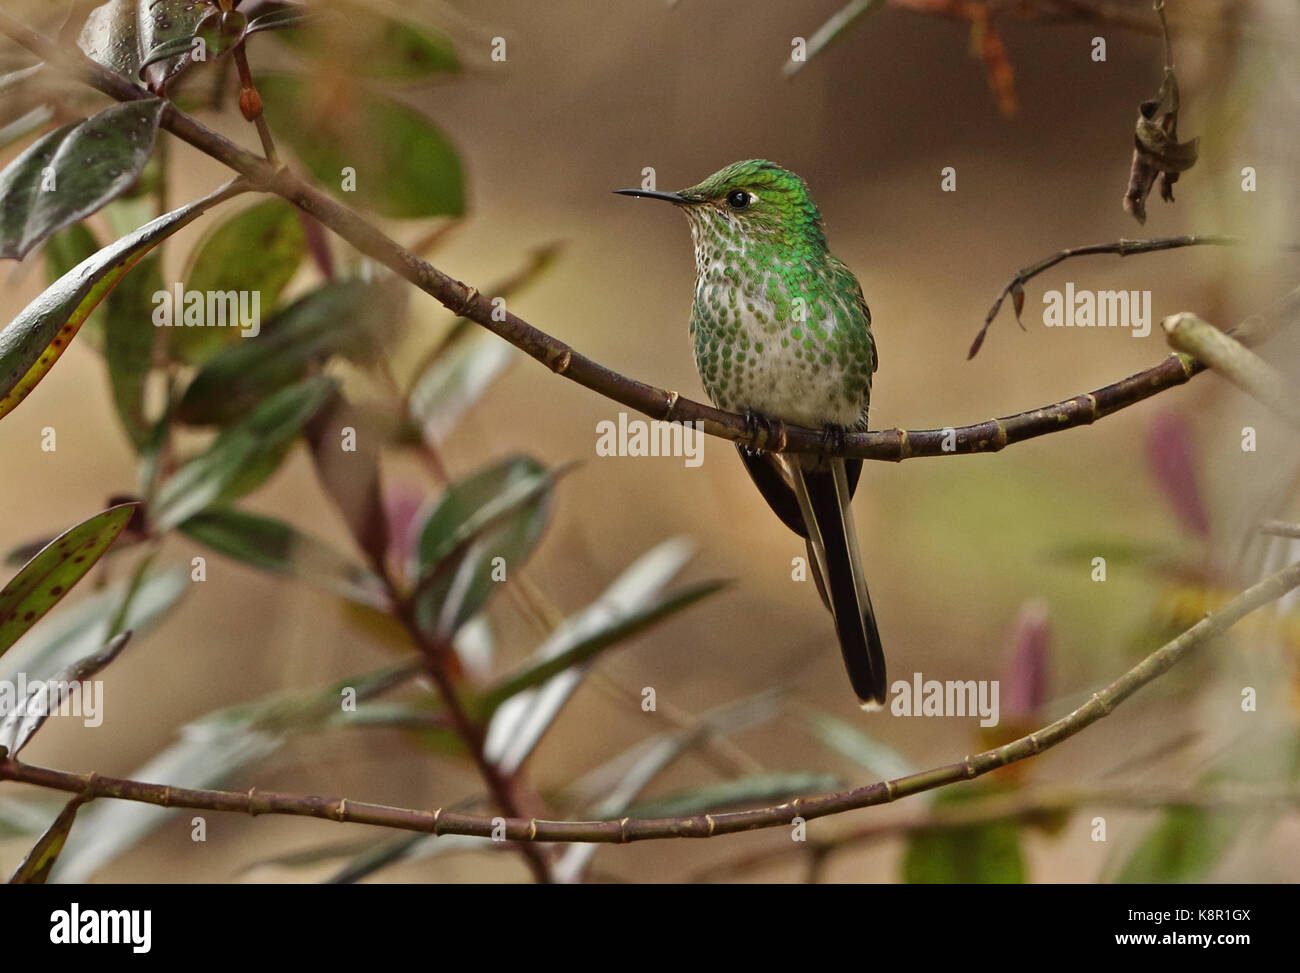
pixel 123 35
pixel 73 172
pixel 128 345
pixel 878 758
pixel 63 251
pixel 18 819
pixel 273 545
pixel 32 342
pixel 35 868
pixel 282 19
pixel 585 650
pixel 469 359
pixel 519 723
pixel 211 751
pixel 351 480
pixel 845 17
pixel 405 167
pixel 24 125
pixel 1182 848
pixel 756 788
pixel 220 31
pixel 345 318
pixel 361 41
pixel 498 512
pixel 243 456
pixel 984 854
pixel 46 578
pixel 20 724
pixel 78 630
pixel 257 251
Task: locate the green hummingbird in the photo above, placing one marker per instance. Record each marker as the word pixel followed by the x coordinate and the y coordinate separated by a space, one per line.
pixel 781 331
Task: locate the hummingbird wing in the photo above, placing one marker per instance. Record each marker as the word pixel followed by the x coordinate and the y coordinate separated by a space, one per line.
pixel 824 502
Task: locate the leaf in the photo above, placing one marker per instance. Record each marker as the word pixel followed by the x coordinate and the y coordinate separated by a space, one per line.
pixel 20 724
pixel 33 341
pixel 1182 848
pixel 865 751
pixel 519 723
pixel 845 17
pixel 35 868
pixel 585 650
pixel 256 251
pixel 123 35
pixel 638 767
pixel 77 630
pixel 273 545
pixel 281 19
pixel 24 125
pixel 242 456
pixel 219 30
pixel 405 167
pixel 346 318
pixel 73 172
pixel 984 854
pixel 209 752
pixel 46 578
pixel 63 251
pixel 18 819
pixel 460 369
pixel 756 788
pixel 351 479
pixel 357 40
pixel 128 345
pixel 498 512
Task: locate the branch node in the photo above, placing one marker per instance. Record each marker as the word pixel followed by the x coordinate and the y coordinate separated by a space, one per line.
pixel 622 830
pixel 532 829
pixel 437 813
pixel 711 822
pixel 672 404
pixel 342 812
pixel 252 811
pixel 560 363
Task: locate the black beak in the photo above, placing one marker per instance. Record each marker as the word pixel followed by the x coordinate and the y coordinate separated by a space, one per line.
pixel 675 198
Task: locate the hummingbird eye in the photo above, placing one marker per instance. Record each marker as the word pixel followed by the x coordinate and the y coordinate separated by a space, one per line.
pixel 738 199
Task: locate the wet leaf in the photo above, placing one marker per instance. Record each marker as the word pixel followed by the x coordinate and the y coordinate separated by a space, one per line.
pixel 243 456
pixel 255 251
pixel 273 545
pixel 404 166
pixel 47 577
pixel 73 172
pixel 123 35
pixel 33 341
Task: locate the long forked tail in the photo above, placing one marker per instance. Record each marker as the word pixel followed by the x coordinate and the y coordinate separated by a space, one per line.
pixel 824 503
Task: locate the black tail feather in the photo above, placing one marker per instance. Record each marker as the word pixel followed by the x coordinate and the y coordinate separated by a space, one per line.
pixel 855 621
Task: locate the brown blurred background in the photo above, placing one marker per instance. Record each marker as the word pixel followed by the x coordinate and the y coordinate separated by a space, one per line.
pixel 591 94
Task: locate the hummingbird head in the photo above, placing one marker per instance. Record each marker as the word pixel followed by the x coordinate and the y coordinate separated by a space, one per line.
pixel 750 203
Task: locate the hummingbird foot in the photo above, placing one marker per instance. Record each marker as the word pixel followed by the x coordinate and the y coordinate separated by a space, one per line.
pixel 833 438
pixel 765 432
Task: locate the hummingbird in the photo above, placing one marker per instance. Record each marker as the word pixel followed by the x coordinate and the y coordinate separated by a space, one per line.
pixel 782 332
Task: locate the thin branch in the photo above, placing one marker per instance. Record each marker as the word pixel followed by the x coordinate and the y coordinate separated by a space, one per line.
pixel 1121 248
pixel 440 822
pixel 1024 806
pixel 1234 361
pixel 892 444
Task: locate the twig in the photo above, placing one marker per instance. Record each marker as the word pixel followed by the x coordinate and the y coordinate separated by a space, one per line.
pixel 439 822
pixel 1122 248
pixel 1234 361
pixel 892 444
pixel 1026 805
